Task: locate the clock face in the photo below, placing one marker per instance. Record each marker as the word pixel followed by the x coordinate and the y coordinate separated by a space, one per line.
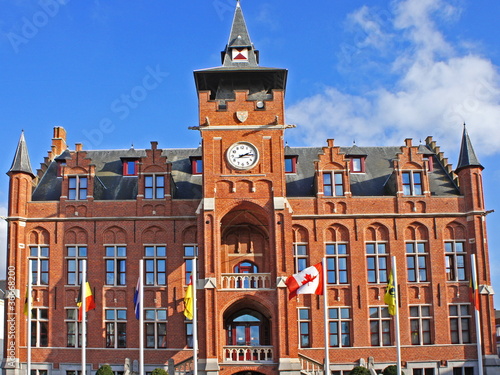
pixel 242 155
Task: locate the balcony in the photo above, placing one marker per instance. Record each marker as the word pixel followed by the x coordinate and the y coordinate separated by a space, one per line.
pixel 248 354
pixel 246 281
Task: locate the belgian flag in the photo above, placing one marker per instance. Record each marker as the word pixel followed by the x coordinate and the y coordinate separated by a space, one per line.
pixel 85 292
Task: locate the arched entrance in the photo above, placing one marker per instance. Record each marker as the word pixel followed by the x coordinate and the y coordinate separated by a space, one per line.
pixel 248 373
pixel 247 328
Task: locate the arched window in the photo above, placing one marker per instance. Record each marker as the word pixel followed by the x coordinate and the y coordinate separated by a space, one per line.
pixel 247 328
pixel 246 267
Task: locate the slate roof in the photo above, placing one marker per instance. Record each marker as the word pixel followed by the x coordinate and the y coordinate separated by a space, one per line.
pixel 21 162
pixel 467 156
pixel 110 184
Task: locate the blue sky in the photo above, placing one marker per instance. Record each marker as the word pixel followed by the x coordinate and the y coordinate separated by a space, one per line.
pixel 116 73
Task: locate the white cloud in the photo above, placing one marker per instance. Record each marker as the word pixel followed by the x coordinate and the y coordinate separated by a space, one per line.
pixel 434 92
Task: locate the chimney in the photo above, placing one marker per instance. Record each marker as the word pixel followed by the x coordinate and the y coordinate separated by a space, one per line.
pixel 59 141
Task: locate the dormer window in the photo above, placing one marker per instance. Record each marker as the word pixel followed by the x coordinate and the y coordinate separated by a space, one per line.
pixel 412 183
pixel 333 184
pixel 77 187
pixel 130 167
pixel 291 164
pixel 358 164
pixel 196 165
pixel 240 54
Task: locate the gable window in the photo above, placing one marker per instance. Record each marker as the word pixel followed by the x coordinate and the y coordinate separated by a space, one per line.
pixel 412 183
pixel 154 187
pixel 333 184
pixel 290 164
pixel 130 167
pixel 357 164
pixel 77 188
pixel 196 165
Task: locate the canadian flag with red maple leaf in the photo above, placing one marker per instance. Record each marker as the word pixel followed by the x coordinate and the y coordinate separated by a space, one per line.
pixel 307 281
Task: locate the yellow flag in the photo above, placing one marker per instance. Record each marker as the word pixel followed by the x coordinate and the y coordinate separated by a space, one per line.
pixel 390 295
pixel 26 303
pixel 189 301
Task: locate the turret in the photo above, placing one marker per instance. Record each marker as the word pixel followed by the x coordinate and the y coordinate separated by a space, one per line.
pixel 469 172
pixel 21 178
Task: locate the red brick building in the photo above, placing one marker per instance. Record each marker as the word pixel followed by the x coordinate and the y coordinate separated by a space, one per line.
pixel 254 211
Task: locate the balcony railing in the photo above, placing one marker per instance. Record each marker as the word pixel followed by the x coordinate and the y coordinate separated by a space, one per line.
pixel 246 281
pixel 260 354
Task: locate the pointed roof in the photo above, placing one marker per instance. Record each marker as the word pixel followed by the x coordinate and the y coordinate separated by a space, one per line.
pixel 467 157
pixel 21 162
pixel 239 38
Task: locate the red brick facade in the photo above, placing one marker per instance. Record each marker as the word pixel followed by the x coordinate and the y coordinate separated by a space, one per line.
pixel 248 215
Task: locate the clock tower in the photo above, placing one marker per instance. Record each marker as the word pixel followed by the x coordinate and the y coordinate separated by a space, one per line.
pixel 244 214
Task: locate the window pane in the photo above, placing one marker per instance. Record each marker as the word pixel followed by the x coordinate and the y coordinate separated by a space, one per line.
pixel 303 314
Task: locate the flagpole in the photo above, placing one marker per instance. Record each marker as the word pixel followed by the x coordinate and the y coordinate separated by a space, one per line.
pixel 83 297
pixel 325 316
pixel 30 286
pixel 141 317
pixel 476 316
pixel 396 316
pixel 195 317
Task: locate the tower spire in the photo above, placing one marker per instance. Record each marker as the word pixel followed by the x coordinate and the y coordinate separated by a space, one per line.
pixel 21 162
pixel 239 49
pixel 467 157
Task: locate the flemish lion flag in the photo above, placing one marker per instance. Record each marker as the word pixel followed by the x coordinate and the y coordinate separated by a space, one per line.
pixel 390 295
pixel 189 301
pixel 307 281
pixel 26 303
pixel 85 292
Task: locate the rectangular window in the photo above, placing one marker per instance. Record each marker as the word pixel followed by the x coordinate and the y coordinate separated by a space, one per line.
pixel 420 323
pixel 40 327
pixel 130 167
pixel 39 372
pixel 376 262
pixel 189 334
pixel 116 259
pixel 155 328
pixel 463 370
pixel 75 255
pixel 357 165
pixel 412 183
pixel 73 372
pixel 77 188
pixel 416 261
pixel 460 319
pixel 300 255
pixel 196 165
pixel 116 328
pixel 190 252
pixel 423 371
pixel 336 263
pixel 380 326
pixel 155 264
pixel 154 187
pixel 73 329
pixel 290 164
pixel 333 184
pixel 39 257
pixel 455 260
pixel 339 325
pixel 304 328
